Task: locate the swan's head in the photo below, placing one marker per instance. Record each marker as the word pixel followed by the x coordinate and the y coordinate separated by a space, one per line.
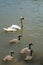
pixel 12 52
pixel 21 18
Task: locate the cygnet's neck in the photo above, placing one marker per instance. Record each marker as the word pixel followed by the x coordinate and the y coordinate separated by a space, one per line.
pixel 18 37
pixel 29 46
pixel 31 53
pixel 12 52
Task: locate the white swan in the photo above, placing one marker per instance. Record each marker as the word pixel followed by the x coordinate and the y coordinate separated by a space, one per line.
pixel 26 50
pixel 14 27
pixel 14 41
pixel 29 57
pixel 8 57
pixel 10 29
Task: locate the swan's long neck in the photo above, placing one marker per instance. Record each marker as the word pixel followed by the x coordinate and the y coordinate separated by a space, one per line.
pixel 21 23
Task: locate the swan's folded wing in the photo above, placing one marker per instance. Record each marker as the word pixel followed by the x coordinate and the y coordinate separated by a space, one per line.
pixel 16 27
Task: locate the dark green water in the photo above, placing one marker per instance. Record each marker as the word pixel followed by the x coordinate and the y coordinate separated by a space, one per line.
pixel 10 12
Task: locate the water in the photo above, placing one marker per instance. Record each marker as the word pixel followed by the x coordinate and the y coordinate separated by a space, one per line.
pixel 10 12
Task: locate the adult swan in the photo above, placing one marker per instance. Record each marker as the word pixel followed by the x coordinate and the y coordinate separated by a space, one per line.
pixel 15 27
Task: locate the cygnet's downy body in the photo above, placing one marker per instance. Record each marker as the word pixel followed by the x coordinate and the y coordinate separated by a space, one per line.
pixel 26 50
pixel 15 41
pixel 29 57
pixel 9 57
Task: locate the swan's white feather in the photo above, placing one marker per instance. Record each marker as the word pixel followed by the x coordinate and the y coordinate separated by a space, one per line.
pixel 16 27
pixel 9 29
pixel 12 28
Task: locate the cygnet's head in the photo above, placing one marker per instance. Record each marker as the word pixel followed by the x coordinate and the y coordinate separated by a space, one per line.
pixel 19 35
pixel 12 52
pixel 31 50
pixel 30 43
